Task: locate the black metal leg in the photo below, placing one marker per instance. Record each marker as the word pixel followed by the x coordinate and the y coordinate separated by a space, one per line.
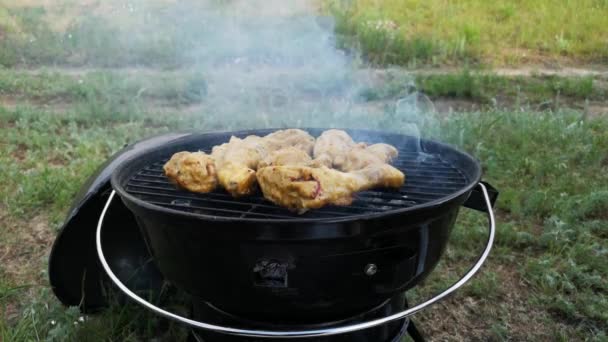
pixel 193 337
pixel 414 332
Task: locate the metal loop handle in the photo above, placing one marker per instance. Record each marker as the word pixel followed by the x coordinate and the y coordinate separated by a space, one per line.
pixel 295 333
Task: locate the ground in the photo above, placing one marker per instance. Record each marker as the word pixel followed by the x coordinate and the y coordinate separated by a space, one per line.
pixel 76 87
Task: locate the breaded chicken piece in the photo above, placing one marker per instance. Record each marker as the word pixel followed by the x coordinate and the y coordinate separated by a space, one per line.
pixel 194 171
pixel 286 156
pixel 296 138
pixel 360 157
pixel 301 188
pixel 236 163
pixel 238 159
pixel 331 148
pixel 335 148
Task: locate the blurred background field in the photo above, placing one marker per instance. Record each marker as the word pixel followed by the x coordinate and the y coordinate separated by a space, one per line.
pixel 409 33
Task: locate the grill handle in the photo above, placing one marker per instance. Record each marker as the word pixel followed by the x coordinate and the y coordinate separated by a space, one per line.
pixel 302 333
pixel 477 198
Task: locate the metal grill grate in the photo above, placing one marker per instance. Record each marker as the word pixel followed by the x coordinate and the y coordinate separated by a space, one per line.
pixel 427 178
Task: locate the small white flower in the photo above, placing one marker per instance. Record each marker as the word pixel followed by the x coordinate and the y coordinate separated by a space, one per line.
pixel 75 322
pixel 53 322
pixel 81 319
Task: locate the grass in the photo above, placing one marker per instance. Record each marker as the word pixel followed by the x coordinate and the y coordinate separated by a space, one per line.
pixel 551 170
pixel 53 86
pixel 91 38
pixel 158 33
pixel 49 321
pixel 439 32
pixel 389 32
pixel 485 87
pixel 138 89
pixel 491 90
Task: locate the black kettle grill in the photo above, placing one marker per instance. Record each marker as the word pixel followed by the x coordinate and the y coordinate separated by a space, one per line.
pixel 255 269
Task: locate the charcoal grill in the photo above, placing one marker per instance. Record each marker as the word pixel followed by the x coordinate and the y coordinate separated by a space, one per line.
pixel 264 263
pixel 254 269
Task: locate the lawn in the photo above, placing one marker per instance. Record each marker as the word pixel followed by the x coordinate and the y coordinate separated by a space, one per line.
pixel 161 33
pixel 67 105
pixel 418 32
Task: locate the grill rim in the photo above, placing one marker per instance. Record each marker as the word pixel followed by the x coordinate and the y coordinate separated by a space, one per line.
pixel 126 165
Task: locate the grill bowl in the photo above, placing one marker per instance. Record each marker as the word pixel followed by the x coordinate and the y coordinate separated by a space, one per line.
pixel 251 258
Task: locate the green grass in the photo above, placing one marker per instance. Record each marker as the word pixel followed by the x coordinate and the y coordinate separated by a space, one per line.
pixel 58 151
pixel 438 32
pixel 51 86
pixel 491 90
pixel 387 32
pixel 46 320
pixel 485 87
pixel 556 177
pixel 29 38
pixel 551 170
pixel 157 33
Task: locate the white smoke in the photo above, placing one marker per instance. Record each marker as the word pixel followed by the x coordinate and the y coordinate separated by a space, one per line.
pixel 274 63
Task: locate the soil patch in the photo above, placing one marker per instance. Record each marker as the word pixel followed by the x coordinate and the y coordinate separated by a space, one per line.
pixel 25 245
pixel 462 317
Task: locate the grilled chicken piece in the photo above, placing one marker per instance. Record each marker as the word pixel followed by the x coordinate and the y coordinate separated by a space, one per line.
pixel 300 188
pixel 331 148
pixel 218 151
pixel 335 148
pixel 360 157
pixel 236 162
pixel 380 175
pixel 194 171
pixel 238 159
pixel 296 138
pixel 286 156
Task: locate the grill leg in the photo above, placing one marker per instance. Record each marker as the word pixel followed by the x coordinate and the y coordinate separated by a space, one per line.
pixel 192 337
pixel 414 332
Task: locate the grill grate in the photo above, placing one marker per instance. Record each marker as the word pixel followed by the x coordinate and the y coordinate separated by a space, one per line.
pixel 427 178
